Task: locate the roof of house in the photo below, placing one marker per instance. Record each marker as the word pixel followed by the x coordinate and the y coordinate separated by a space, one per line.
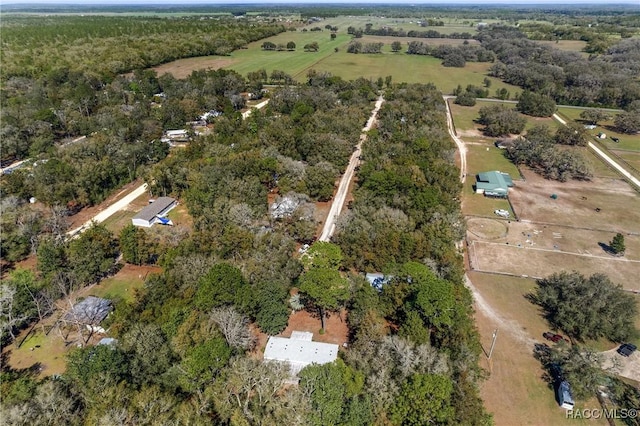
pixel 493 180
pixel 299 351
pixel 155 208
pixel 91 311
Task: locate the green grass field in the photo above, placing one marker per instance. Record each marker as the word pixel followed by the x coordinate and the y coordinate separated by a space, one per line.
pixel 627 142
pixel 481 158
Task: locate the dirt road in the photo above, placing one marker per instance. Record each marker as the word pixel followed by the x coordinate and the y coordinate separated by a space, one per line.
pixel 341 194
pixel 110 210
pixel 462 149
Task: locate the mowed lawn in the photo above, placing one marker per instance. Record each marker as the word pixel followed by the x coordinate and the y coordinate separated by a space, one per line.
pixel 482 158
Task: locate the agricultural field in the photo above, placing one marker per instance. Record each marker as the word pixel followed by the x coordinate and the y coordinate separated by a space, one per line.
pixel 402 67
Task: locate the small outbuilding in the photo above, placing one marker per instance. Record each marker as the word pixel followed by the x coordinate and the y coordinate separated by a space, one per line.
pixel 299 350
pixel 90 312
pixel 493 184
pixel 377 279
pixel 154 212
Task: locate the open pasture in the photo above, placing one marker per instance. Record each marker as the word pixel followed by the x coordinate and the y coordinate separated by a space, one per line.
pixel 626 142
pixel 402 67
pixel 527 261
pixel 576 203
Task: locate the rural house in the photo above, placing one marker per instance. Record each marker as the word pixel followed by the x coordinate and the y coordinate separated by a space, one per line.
pixel 90 313
pixel 299 350
pixel 154 212
pixel 493 184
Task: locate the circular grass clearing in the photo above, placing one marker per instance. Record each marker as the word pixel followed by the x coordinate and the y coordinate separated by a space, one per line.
pixel 487 229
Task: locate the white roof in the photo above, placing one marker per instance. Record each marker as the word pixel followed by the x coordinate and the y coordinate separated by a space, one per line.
pixel 299 353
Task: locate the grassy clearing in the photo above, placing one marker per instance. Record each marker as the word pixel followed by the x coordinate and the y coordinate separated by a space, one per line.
pixel 118 221
pixel 567 45
pixel 515 392
pixel 627 142
pixel 479 159
pixel 295 62
pixel 406 68
pixel 45 352
pixel 464 117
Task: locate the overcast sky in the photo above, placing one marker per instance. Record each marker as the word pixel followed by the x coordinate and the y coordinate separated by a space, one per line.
pixel 438 2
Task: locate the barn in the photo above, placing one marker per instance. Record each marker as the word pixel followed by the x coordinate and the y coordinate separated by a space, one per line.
pixel 154 212
pixel 493 184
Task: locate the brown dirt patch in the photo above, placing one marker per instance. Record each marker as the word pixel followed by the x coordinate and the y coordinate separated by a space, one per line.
pixel 182 68
pixel 538 263
pixel 487 229
pixel 577 202
pixel 336 329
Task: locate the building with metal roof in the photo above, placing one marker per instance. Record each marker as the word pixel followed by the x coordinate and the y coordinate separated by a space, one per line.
pixel 89 312
pixel 493 184
pixel 299 350
pixel 154 212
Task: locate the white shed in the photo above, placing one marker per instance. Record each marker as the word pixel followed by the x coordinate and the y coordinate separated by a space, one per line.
pixel 299 350
pixel 154 212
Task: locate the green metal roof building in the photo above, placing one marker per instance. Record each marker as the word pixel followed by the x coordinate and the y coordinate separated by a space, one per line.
pixel 493 184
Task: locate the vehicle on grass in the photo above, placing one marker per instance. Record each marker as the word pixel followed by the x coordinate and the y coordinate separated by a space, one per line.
pixel 627 349
pixel 565 399
pixel 502 213
pixel 555 338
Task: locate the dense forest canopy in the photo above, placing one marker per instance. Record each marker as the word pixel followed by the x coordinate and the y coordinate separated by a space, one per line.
pixel 414 348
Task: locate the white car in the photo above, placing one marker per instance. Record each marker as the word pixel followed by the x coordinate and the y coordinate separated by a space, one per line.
pixel 502 213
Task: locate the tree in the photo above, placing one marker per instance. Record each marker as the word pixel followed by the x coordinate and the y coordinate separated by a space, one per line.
pixel 424 399
pixel 501 120
pixel 267 45
pixel 148 352
pixel 465 99
pixel 234 326
pixel 92 255
pixel 396 46
pixel 628 122
pixel 325 288
pixel 323 254
pixel 594 116
pixel 222 285
pixel 291 45
pixel 204 362
pixel 617 244
pixel 571 134
pixel 135 245
pixel 454 60
pixel 536 104
pixel 101 361
pixel 583 307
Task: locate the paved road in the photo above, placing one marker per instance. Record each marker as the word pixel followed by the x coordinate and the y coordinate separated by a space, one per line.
pixel 123 202
pixel 338 200
pixel 606 158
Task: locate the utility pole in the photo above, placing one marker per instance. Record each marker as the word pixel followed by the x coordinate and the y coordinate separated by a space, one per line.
pixel 493 343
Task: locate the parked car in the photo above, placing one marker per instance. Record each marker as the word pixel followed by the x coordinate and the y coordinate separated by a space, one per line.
pixel 553 337
pixel 627 349
pixel 502 213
